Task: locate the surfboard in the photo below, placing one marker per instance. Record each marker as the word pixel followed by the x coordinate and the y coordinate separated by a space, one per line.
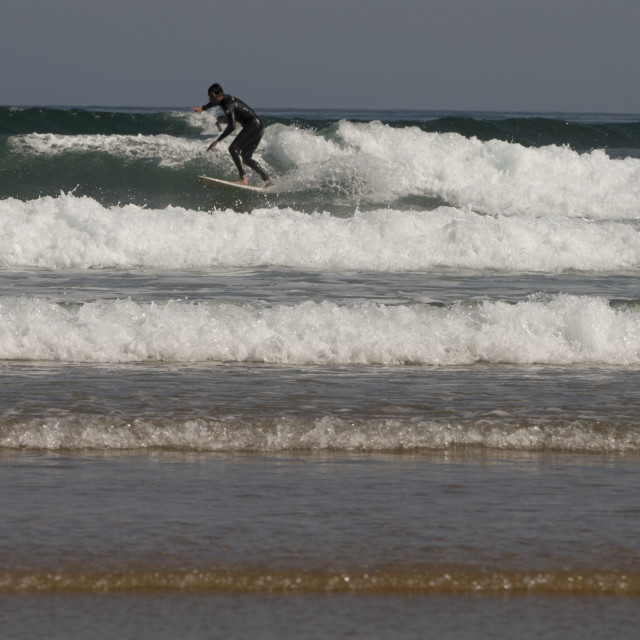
pixel 218 183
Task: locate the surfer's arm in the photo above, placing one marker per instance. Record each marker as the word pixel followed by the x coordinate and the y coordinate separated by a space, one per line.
pixel 231 125
pixel 224 134
pixel 204 107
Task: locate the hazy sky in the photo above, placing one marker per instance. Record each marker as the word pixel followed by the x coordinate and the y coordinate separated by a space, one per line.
pixel 505 55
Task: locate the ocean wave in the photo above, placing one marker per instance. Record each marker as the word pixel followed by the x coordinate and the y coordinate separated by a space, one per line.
pixel 77 121
pixel 578 131
pixel 78 232
pixel 494 176
pixel 378 164
pixel 559 330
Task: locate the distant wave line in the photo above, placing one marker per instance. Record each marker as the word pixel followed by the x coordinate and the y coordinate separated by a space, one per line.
pixel 328 434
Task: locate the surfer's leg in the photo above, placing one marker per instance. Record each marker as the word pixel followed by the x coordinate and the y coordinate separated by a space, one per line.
pixel 249 161
pixel 234 150
pixel 248 140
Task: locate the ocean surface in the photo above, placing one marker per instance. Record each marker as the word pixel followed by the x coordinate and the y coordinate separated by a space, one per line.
pixel 394 396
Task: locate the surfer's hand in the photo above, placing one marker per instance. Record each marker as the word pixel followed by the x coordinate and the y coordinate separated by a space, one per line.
pixel 213 144
pixel 196 109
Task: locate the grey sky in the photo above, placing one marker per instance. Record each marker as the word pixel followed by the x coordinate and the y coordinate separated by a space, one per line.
pixel 505 55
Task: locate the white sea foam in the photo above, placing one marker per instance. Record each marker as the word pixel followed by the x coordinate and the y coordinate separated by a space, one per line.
pixel 329 433
pixel 560 330
pixel 379 163
pixel 375 163
pixel 497 176
pixel 78 232
pixel 168 150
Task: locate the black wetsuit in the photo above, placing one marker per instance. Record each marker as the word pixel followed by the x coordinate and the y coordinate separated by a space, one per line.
pixel 247 140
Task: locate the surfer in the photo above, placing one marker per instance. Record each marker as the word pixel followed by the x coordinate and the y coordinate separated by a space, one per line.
pixel 246 142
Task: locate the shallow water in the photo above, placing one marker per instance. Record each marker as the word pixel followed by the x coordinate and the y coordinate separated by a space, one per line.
pixel 388 520
pixel 312 616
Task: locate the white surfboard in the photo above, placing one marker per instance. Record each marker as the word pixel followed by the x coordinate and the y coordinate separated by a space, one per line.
pixel 218 183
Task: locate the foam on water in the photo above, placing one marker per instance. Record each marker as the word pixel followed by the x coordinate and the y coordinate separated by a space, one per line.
pixel 169 150
pixel 399 580
pixel 556 330
pixel 79 232
pixel 328 433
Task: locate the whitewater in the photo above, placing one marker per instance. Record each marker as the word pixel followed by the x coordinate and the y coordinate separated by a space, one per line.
pixel 559 330
pixel 77 232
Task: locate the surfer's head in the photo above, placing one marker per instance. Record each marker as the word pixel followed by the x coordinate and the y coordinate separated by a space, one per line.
pixel 215 93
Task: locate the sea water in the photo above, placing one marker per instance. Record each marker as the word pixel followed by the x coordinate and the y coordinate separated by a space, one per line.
pixel 395 395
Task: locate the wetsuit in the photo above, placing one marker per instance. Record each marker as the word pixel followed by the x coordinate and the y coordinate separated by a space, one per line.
pixel 246 142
